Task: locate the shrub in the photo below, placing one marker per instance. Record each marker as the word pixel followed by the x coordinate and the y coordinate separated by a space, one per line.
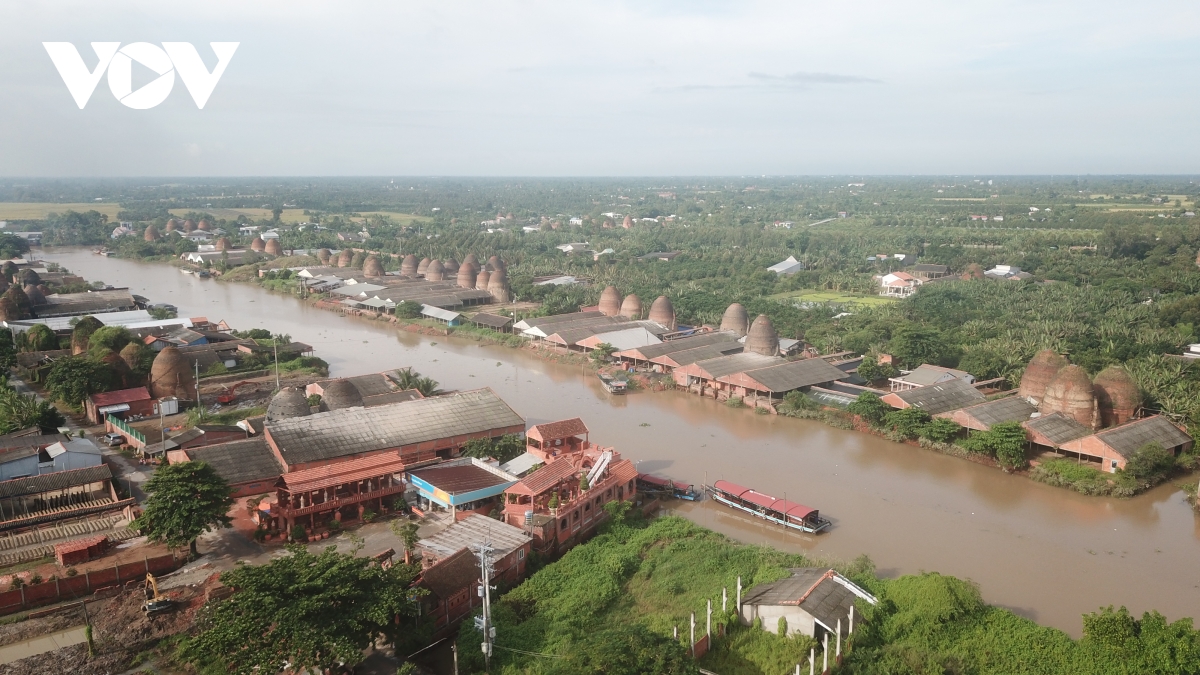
pixel 368 515
pixel 1150 462
pixel 869 407
pixel 71 571
pixel 735 402
pixel 782 626
pixel 335 525
pixel 907 422
pixel 299 533
pixel 941 430
pixel 1004 441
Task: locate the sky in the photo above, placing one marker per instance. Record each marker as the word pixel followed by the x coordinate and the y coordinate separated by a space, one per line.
pixel 533 88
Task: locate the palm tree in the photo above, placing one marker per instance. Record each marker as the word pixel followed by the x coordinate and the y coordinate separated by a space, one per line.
pixel 427 386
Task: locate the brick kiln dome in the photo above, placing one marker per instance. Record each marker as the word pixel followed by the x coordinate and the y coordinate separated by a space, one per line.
pixel 223 244
pixel 345 258
pixel 466 275
pixel 9 310
pixel 189 225
pixel 498 286
pixel 497 264
pixel 323 255
pixel 151 233
pixel 131 354
pixel 171 375
pixel 258 246
pixel 35 295
pixel 762 338
pixel 1117 396
pixel 204 225
pixel 473 259
pixel 631 307
pixel 610 301
pixel 273 248
pixel 482 279
pixel 341 393
pixel 662 312
pixel 372 267
pixel 627 223
pixel 172 225
pixel 736 319
pixel 435 271
pixel 289 402
pixel 1070 393
pixel 423 265
pixel 1041 369
pixel 408 266
pixel 450 266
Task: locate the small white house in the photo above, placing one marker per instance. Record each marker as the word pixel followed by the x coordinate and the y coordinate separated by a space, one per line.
pixel 812 601
pixel 789 266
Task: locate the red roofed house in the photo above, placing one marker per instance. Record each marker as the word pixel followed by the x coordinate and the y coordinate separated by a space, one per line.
pixel 80 550
pixel 120 404
pixel 898 284
pixel 571 464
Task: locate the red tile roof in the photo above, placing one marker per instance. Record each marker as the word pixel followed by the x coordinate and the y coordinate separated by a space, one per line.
pixel 342 472
pixel 560 429
pixel 121 396
pixel 547 477
pixel 78 544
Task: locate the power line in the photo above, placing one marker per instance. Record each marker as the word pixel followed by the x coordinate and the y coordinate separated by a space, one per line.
pixel 522 651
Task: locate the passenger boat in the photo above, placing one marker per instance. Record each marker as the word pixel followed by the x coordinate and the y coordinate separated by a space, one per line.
pixel 185 270
pixel 613 385
pixel 789 514
pixel 665 487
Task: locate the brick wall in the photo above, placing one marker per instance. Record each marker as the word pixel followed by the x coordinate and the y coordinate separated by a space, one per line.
pixel 70 588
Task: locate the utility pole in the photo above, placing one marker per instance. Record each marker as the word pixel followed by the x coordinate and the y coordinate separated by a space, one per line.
pixel 484 622
pixel 199 407
pixel 275 344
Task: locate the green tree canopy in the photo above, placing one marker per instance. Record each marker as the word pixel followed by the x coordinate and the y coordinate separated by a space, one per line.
pixel 12 246
pixel 310 611
pixel 1004 441
pixel 908 422
pixel 72 379
pixel 184 501
pixel 21 411
pixel 869 407
pixel 109 338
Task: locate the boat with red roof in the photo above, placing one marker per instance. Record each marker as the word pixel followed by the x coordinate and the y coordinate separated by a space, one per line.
pixel 781 511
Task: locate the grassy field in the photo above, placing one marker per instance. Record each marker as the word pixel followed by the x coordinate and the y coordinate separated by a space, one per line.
pixel 39 210
pixel 397 216
pixel 834 297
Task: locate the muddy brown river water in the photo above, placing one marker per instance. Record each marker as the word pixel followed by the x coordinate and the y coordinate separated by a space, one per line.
pixel 1045 553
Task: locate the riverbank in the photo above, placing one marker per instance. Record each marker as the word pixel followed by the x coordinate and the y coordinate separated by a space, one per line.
pixel 1045 553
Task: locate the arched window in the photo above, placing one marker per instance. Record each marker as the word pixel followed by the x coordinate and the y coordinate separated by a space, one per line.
pixel 576 517
pixel 564 523
pixel 587 507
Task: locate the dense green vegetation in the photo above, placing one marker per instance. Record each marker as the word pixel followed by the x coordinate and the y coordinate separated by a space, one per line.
pixel 625 590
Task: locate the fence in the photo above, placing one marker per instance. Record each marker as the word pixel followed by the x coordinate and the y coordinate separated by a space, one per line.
pixel 72 588
pixel 134 436
pixel 700 647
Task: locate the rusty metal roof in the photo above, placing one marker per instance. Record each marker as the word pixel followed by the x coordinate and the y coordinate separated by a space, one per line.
pixel 941 397
pixel 120 396
pixel 59 480
pixel 451 574
pixel 682 344
pixel 353 431
pixel 241 461
pixel 1129 438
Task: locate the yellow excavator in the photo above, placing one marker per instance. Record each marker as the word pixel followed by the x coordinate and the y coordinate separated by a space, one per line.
pixel 156 603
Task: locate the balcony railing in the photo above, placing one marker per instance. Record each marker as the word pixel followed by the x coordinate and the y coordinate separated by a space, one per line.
pixel 338 503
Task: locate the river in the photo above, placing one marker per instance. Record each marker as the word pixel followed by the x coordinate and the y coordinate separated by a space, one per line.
pixel 1045 553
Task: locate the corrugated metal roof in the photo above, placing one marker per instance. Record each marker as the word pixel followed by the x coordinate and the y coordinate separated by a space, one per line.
pixel 796 374
pixel 471 532
pixel 242 461
pixel 554 318
pixel 352 431
pixel 457 478
pixel 697 354
pixel 439 313
pixel 59 480
pixel 548 476
pixel 736 363
pixel 1010 409
pixel 925 375
pixel 337 473
pixel 683 344
pixel 1129 438
pixel 1057 428
pixel 451 574
pixel 491 320
pixel 937 398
